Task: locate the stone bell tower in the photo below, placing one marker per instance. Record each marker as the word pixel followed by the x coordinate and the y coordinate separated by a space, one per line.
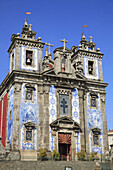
pixel 62 60
pixel 25 52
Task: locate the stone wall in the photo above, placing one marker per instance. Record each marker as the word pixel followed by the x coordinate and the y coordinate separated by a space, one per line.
pixel 46 165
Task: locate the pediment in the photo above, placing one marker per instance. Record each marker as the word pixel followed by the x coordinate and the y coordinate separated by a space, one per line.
pixel 66 123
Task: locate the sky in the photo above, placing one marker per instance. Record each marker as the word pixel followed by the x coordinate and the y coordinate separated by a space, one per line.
pixel 54 20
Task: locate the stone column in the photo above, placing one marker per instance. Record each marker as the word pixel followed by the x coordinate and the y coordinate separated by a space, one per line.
pixel 16 116
pixel 57 62
pixel 40 121
pixel 82 121
pixel 43 99
pixel 100 69
pixel 105 135
pixel 46 117
pixel 17 57
pixel 40 59
pixel 85 122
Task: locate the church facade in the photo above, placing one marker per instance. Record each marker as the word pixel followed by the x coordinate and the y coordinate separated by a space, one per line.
pixel 56 104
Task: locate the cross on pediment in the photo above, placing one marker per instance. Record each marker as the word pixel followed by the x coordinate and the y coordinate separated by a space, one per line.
pixel 64 105
pixel 64 41
pixel 49 47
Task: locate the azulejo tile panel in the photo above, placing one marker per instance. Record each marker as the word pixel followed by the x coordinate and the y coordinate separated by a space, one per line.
pixel 28 113
pixel 75 114
pixel 10 115
pixel 75 106
pixel 94 120
pixel 52 114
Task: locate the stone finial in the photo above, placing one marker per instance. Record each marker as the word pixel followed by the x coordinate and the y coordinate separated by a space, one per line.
pixel 39 39
pixel 83 39
pixel 25 22
pixel 91 38
pixel 83 36
pixel 98 49
pixel 30 27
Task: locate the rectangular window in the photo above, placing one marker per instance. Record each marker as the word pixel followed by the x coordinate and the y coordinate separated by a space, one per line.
pixel 63 65
pixel 28 135
pixel 91 67
pixel 96 139
pixel 63 104
pixel 93 102
pixel 29 94
pixel 29 57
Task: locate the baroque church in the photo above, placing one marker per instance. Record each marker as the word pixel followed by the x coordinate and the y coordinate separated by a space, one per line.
pixel 56 104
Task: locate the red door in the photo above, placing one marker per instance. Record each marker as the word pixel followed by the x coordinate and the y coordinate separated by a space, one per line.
pixel 64 140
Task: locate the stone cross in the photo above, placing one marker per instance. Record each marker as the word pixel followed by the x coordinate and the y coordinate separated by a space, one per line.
pixel 49 47
pixel 64 41
pixel 64 105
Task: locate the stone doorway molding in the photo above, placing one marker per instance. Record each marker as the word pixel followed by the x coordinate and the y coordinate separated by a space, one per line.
pixel 65 125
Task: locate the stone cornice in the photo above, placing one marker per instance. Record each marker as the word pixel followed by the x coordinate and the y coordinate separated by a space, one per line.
pixel 21 76
pixel 25 42
pixel 93 54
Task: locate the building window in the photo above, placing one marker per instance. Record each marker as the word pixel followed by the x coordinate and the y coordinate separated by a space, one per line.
pixel 91 67
pixel 29 57
pixel 63 104
pixel 28 135
pixel 95 139
pixel 29 94
pixel 29 132
pixel 63 65
pixel 96 136
pixel 93 101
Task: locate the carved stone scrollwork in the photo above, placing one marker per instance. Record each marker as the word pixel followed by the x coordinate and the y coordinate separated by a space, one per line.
pixel 17 88
pixel 103 98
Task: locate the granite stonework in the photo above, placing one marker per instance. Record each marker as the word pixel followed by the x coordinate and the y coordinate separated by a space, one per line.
pixel 50 100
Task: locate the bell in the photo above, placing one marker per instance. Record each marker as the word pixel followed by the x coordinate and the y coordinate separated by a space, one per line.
pixel 28 60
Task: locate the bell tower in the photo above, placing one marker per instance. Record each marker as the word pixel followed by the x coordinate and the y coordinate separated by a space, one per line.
pixel 62 60
pixel 25 52
pixel 87 60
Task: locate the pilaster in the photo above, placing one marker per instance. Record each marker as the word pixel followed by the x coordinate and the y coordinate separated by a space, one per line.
pixel 17 57
pixel 105 135
pixel 82 118
pixel 16 116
